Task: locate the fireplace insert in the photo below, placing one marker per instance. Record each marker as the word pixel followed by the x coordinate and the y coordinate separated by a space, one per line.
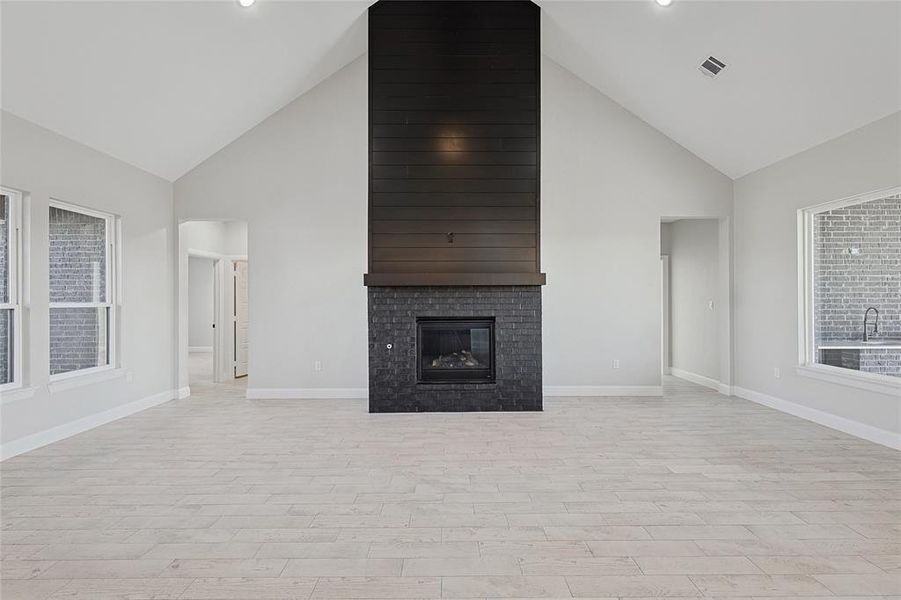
pixel 455 350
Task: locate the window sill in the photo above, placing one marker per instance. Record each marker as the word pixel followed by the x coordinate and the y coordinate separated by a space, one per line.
pixel 76 379
pixel 15 394
pixel 872 382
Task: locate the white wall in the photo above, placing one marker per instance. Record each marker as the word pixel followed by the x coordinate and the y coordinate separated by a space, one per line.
pixel 235 238
pixel 228 238
pixel 44 166
pixel 299 181
pixel 200 303
pixel 766 268
pixel 694 282
pixel 666 238
pixel 607 178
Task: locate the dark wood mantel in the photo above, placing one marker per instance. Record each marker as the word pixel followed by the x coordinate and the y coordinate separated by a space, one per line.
pixel 412 279
pixel 454 122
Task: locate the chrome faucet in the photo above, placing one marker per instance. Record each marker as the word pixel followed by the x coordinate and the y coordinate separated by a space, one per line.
pixel 866 315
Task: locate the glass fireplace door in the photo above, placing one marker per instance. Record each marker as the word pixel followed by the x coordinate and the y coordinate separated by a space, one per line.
pixel 455 350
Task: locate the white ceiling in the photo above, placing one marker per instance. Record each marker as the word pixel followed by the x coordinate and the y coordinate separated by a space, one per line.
pixel 798 74
pixel 163 85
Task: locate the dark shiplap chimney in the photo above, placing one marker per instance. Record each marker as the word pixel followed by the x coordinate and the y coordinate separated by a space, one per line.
pixel 454 143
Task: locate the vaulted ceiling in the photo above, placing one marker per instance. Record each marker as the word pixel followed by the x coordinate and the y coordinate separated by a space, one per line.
pixel 798 73
pixel 163 85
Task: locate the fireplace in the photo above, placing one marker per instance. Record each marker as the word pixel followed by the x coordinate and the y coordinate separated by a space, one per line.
pixel 454 269
pixel 455 350
pixel 422 337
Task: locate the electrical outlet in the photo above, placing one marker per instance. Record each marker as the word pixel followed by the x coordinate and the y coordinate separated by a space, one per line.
pixel 777 372
pixel 615 363
pixel 317 365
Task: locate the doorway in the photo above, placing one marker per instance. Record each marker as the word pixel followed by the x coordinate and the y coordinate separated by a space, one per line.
pixel 214 303
pixel 695 271
pixel 201 318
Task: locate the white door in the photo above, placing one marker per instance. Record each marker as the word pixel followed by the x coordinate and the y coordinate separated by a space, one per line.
pixel 240 318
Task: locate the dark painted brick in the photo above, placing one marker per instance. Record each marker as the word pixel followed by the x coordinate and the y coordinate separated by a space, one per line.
pixel 392 373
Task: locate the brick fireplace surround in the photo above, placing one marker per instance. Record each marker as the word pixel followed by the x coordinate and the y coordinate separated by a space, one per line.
pixel 393 383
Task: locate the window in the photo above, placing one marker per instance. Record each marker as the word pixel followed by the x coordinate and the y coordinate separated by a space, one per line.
pixel 10 289
pixel 851 287
pixel 82 291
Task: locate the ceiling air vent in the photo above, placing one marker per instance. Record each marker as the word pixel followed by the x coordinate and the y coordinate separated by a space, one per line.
pixel 712 66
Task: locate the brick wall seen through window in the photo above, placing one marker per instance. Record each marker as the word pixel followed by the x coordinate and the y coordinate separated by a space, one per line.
pixel 857 264
pixel 79 334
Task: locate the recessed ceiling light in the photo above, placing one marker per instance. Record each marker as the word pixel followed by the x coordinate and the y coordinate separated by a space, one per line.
pixel 664 2
pixel 246 3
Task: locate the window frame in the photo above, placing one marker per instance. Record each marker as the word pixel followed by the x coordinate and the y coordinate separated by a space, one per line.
pixel 15 284
pixel 112 304
pixel 807 364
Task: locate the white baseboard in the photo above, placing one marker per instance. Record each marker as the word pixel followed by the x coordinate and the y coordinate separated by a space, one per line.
pixel 363 393
pixel 855 428
pixel 200 348
pixel 182 393
pixel 725 389
pixel 707 382
pixel 61 432
pixel 306 393
pixel 602 390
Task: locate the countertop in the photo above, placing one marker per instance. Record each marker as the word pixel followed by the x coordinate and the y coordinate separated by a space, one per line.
pixel 880 343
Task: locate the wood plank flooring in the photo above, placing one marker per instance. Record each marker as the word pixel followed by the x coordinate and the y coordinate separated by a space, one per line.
pixel 690 495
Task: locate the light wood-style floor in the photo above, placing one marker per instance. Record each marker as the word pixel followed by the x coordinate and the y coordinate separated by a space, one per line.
pixel 214 496
pixel 200 368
